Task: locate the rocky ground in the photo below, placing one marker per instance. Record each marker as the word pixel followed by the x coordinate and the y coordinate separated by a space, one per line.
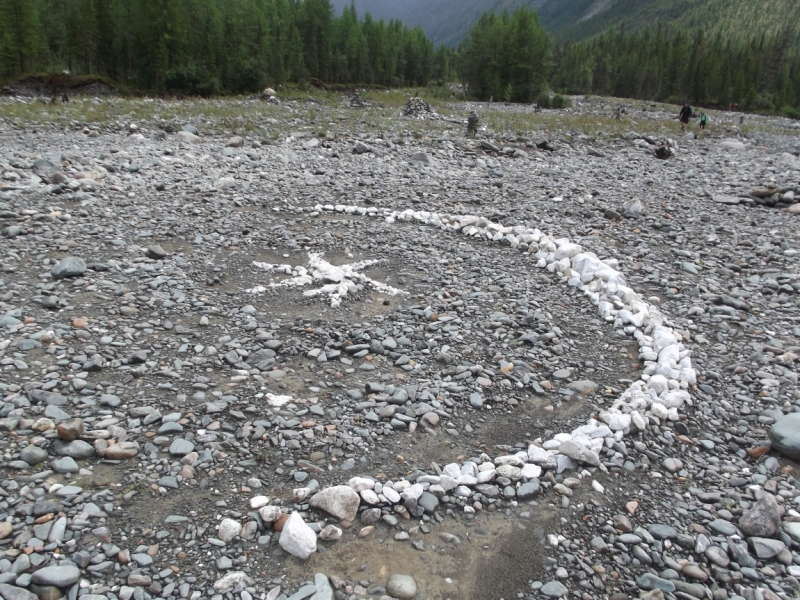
pixel 321 349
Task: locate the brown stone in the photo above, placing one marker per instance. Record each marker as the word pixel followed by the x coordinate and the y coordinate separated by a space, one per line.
pixel 757 452
pixel 278 525
pixel 694 572
pixel 5 530
pixel 429 419
pixel 46 592
pixel 622 523
pixel 139 579
pixel 70 430
pixel 80 323
pixel 122 450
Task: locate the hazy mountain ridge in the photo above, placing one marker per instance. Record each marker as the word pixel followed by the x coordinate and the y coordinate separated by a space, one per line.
pixel 448 21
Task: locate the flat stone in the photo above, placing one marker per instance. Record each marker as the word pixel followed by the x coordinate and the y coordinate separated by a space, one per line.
pixel 324 589
pixel 785 435
pixel 724 199
pixel 12 592
pixel 58 575
pixel 584 386
pixel 33 455
pixel 180 447
pixel 554 589
pixel 77 449
pixel 765 548
pixel 662 532
pixel 722 527
pixel 66 464
pixel 648 581
pixel 72 266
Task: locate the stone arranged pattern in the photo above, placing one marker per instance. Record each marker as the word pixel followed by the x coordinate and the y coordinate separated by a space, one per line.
pixel 164 437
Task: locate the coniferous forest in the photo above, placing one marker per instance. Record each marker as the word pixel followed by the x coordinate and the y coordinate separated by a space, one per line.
pixel 205 47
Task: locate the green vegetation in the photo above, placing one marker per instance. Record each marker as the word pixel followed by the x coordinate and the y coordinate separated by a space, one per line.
pixel 207 47
pixel 504 57
pixel 759 75
pixel 203 47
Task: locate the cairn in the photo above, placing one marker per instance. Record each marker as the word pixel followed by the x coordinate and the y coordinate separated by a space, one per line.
pixel 417 107
pixel 472 124
pixel 358 101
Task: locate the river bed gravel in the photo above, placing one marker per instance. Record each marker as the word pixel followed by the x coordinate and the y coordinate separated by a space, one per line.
pixel 350 353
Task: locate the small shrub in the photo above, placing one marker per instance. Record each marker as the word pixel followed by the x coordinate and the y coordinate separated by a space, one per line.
pixel 544 100
pixel 791 112
pixel 560 101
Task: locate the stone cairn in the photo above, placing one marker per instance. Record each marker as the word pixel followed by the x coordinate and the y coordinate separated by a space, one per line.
pixel 417 107
pixel 358 101
pixel 472 124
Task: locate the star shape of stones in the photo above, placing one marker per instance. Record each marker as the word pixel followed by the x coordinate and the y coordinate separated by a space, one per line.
pixel 336 281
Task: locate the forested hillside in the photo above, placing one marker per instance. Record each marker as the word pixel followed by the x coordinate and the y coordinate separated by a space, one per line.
pixel 762 74
pixel 738 20
pixel 209 46
pixel 751 56
pixel 449 21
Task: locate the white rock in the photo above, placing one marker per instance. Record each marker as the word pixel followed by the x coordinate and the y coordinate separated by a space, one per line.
pixel 370 497
pixel 617 421
pixel 258 501
pixel 231 580
pixel 361 483
pixel 659 384
pixel 297 538
pixel 529 471
pixel 412 493
pixel 270 514
pixel 228 530
pixel 512 460
pixel 391 495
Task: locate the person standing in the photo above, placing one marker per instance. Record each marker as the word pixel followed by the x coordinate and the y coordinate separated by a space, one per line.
pixel 703 120
pixel 684 115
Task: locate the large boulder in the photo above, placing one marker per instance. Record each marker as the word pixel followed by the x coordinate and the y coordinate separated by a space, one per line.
pixel 785 435
pixel 762 520
pixel 341 501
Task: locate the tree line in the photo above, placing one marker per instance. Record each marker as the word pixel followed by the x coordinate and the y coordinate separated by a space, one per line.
pixel 760 74
pixel 511 58
pixel 240 46
pixel 213 46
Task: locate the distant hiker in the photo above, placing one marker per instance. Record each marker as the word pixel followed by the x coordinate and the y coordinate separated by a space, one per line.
pixel 703 120
pixel 684 115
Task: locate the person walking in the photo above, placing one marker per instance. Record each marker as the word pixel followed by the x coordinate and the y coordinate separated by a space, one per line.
pixel 684 115
pixel 703 120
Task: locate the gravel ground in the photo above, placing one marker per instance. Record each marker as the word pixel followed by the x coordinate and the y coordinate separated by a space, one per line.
pixel 347 352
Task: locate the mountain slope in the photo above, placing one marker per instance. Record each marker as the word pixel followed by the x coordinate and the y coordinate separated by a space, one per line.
pixel 448 21
pixel 738 19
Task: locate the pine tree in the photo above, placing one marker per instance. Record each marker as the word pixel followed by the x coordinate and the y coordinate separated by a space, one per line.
pixel 21 33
